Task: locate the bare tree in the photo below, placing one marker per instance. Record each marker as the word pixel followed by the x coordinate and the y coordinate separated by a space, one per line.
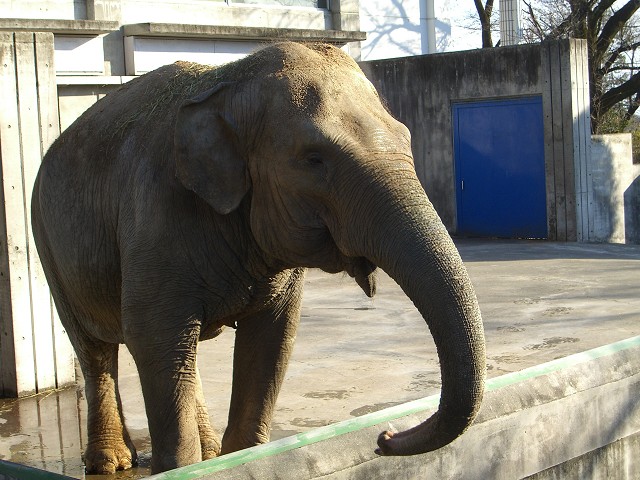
pixel 484 14
pixel 613 37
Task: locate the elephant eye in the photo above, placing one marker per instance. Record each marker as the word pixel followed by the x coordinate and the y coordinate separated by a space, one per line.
pixel 314 159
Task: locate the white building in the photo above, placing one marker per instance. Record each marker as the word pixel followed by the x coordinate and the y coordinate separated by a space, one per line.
pixel 101 43
pixel 128 37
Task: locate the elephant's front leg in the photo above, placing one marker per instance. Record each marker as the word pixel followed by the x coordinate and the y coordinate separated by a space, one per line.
pixel 166 361
pixel 263 347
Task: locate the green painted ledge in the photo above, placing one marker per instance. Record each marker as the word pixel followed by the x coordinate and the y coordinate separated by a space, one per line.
pixel 352 425
pixel 22 472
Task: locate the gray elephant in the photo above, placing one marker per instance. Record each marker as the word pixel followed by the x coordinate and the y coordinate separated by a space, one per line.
pixel 193 198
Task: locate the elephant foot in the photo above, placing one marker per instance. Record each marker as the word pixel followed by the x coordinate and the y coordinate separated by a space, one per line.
pixel 209 453
pixel 106 460
pixel 210 447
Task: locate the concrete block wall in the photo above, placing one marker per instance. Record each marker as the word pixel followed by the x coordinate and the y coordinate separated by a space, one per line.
pixel 612 213
pixel 575 417
pixel 35 353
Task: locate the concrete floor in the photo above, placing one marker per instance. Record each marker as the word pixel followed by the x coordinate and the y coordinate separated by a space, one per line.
pixel 540 301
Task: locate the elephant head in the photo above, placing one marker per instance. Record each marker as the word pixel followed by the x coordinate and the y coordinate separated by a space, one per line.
pixel 327 179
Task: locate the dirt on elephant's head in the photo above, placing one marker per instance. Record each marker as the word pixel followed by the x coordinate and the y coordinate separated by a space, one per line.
pixel 303 66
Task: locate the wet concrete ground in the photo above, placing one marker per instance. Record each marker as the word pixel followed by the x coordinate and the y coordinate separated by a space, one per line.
pixel 540 301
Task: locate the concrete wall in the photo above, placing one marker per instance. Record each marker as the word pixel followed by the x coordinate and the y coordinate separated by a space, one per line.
pixel 394 29
pixel 613 199
pixel 632 208
pixel 405 28
pixel 35 353
pixel 614 461
pixel 91 35
pixel 575 417
pixel 420 91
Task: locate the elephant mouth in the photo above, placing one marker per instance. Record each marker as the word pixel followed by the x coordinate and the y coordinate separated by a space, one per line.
pixel 359 268
pixel 364 273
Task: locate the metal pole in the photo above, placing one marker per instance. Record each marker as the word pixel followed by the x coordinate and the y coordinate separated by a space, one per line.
pixel 431 25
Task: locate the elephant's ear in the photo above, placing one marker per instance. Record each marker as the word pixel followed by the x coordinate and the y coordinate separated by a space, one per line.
pixel 209 159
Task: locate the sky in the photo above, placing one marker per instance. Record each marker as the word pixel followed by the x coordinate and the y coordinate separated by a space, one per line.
pixel 459 13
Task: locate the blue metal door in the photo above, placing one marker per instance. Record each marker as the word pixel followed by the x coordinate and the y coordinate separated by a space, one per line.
pixel 499 161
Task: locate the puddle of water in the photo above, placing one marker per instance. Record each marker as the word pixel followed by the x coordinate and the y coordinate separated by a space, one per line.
pixel 43 431
pixel 48 431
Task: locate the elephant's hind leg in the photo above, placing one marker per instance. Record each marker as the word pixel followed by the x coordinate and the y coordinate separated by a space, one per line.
pixel 209 439
pixel 109 446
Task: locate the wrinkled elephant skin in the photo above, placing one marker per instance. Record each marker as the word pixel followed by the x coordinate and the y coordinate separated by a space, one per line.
pixel 194 197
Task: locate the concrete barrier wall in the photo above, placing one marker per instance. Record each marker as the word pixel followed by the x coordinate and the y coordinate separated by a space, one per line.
pixel 576 417
pixel 612 216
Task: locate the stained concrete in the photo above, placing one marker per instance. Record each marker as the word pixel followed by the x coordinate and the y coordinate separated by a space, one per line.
pixel 540 301
pixel 579 413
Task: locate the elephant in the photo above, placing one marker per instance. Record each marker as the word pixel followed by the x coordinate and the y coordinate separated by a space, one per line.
pixel 194 198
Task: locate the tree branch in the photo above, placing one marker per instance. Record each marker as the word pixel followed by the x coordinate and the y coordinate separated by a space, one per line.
pixel 488 7
pixel 561 29
pixel 602 7
pixel 534 21
pixel 622 68
pixel 619 93
pixel 614 25
pixel 484 13
pixel 633 107
pixel 607 65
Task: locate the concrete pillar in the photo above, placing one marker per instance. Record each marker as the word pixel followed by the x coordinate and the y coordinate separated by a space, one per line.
pixel 104 10
pixel 613 179
pixel 345 15
pixel 35 353
pixel 576 84
pixel 567 124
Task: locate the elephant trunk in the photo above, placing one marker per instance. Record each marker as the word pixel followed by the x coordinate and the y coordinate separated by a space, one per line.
pixel 406 238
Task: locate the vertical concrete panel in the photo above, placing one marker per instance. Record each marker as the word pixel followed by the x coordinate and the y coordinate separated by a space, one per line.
pixel 549 160
pixel 558 140
pixel 581 134
pixel 104 9
pixel 36 354
pixel 612 174
pixel 49 122
pixel 8 142
pixel 40 312
pixel 580 166
pixel 20 376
